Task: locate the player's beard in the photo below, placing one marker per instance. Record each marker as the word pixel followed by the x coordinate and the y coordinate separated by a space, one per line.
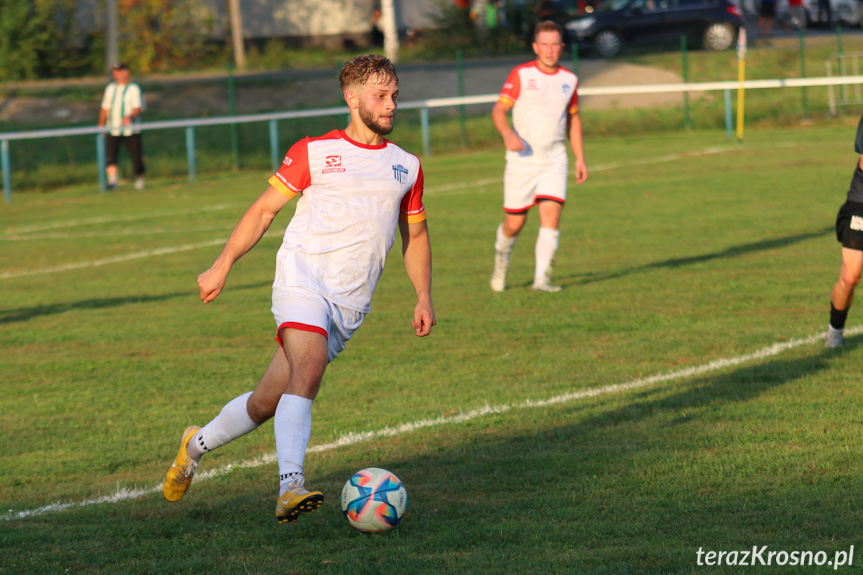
pixel 373 124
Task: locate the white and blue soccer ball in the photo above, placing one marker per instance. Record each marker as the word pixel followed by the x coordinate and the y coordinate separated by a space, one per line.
pixel 374 500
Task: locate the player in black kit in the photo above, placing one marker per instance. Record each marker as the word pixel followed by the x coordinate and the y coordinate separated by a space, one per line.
pixel 849 232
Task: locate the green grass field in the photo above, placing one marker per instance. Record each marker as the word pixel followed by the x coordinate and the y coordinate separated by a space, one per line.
pixel 692 403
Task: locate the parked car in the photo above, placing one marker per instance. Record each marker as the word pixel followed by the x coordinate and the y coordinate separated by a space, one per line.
pixel 845 12
pixel 616 23
pixel 564 10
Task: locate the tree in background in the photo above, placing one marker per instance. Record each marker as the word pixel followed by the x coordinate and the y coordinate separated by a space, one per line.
pixel 161 34
pixel 37 39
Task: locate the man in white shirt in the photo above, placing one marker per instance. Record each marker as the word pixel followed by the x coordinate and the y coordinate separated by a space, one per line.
pixel 356 188
pixel 543 98
pixel 122 104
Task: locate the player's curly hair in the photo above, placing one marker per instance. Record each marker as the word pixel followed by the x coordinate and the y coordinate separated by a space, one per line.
pixel 547 26
pixel 360 69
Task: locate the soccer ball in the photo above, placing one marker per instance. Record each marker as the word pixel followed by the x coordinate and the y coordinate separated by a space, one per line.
pixel 374 500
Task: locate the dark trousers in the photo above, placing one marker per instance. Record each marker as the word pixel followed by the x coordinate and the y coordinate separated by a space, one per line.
pixel 824 9
pixel 133 145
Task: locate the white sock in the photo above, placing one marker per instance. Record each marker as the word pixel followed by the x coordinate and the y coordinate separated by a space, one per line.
pixel 232 422
pixel 546 246
pixel 503 245
pixel 293 427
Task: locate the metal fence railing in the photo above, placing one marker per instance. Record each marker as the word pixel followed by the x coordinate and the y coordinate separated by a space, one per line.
pixel 423 106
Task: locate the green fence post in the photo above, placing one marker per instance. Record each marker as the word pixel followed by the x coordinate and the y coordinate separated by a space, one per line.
pixel 729 131
pixel 803 72
pixel 274 144
pixel 100 161
pixel 686 121
pixel 575 58
pixel 190 153
pixel 459 63
pixel 5 165
pixel 424 122
pixel 841 61
pixel 232 104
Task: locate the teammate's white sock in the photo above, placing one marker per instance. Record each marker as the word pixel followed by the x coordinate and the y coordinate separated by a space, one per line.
pixel 232 422
pixel 546 245
pixel 503 245
pixel 293 427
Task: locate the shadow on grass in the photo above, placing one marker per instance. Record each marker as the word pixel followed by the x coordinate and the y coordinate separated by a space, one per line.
pixel 732 252
pixel 28 313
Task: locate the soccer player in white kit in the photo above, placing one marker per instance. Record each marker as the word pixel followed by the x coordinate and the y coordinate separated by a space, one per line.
pixel 356 188
pixel 543 98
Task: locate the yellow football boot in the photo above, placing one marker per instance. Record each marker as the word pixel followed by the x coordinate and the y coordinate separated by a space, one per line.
pixel 180 475
pixel 297 500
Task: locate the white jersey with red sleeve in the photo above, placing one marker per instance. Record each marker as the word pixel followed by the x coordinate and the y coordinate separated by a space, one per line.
pixel 353 196
pixel 540 104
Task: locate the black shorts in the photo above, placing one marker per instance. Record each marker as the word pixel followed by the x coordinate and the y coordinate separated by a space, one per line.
pixel 849 225
pixel 132 143
pixel 768 9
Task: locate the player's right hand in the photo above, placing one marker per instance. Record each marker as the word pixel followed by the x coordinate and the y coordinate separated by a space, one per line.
pixel 513 142
pixel 210 284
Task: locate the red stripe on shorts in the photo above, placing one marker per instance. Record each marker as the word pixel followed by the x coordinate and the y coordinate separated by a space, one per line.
pixel 552 198
pixel 299 326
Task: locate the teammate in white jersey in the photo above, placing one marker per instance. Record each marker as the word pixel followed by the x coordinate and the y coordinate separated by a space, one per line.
pixel 356 188
pixel 543 98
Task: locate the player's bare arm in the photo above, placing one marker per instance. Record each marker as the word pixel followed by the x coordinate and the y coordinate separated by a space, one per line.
pixel 250 229
pixel 511 140
pixel 576 141
pixel 416 249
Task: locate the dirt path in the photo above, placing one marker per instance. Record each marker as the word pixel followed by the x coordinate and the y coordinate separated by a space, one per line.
pixel 209 97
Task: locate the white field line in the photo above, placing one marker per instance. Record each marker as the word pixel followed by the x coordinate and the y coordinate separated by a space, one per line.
pixel 126 493
pixel 436 190
pixel 123 258
pixel 12 230
pixel 112 260
pixel 598 168
pixel 113 233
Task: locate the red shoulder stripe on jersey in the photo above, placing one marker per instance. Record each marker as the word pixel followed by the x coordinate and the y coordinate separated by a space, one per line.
pixel 412 209
pixel 512 86
pixel 293 175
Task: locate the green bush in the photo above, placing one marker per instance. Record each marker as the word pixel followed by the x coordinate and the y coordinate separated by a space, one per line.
pixel 38 39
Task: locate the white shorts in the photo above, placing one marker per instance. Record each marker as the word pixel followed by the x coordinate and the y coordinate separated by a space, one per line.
pixel 303 309
pixel 525 184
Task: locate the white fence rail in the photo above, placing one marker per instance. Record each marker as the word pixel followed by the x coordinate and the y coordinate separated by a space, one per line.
pixel 423 106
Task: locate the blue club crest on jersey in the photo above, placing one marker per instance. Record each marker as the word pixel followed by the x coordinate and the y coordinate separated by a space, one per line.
pixel 400 173
pixel 565 88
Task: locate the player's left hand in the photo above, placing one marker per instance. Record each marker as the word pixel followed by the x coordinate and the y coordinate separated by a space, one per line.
pixel 424 319
pixel 580 172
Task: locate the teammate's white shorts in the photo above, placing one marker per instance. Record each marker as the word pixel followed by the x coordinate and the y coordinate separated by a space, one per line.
pixel 303 309
pixel 525 184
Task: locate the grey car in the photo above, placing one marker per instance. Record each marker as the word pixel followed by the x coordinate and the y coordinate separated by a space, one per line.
pixel 616 23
